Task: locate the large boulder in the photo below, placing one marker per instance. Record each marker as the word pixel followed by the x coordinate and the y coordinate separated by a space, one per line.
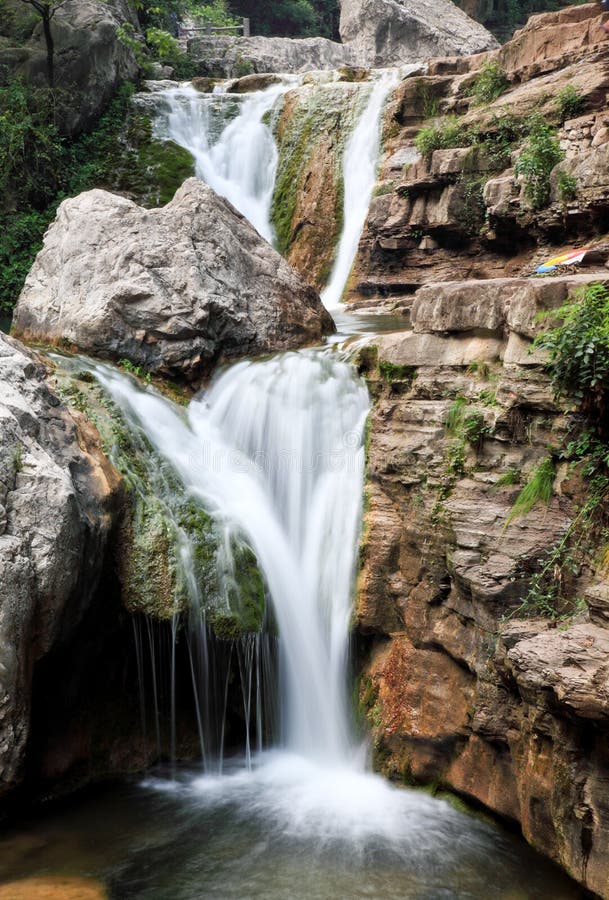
pixel 390 32
pixel 90 59
pixel 58 499
pixel 175 289
pixel 230 57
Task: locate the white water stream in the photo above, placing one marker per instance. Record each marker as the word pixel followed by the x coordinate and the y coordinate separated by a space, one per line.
pixel 241 162
pixel 274 451
pixel 359 172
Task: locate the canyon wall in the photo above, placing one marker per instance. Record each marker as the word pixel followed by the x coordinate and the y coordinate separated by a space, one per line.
pixel 483 626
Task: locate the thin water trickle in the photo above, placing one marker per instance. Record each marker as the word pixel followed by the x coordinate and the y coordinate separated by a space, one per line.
pixel 359 172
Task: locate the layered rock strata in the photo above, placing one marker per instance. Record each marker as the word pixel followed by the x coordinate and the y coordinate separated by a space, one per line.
pixel 510 713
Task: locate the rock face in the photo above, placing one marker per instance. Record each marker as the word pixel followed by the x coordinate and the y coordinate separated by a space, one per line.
pixel 312 131
pixel 175 289
pixel 510 713
pixel 231 57
pixel 58 500
pixel 393 32
pixel 90 61
pixel 460 211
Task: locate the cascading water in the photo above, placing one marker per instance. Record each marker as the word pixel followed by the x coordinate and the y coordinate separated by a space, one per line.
pixel 359 172
pixel 274 450
pixel 239 159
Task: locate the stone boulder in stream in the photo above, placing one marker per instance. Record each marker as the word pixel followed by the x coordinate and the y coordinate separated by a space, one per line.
pixel 175 290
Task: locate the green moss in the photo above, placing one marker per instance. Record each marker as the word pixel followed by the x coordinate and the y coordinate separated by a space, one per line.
pixel 149 169
pixel 318 121
pixel 393 373
pixel 293 157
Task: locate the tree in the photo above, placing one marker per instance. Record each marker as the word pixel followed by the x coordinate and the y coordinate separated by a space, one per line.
pixel 46 9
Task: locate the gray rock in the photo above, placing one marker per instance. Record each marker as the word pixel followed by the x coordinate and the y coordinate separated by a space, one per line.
pixel 232 57
pixel 175 289
pixel 90 61
pixel 58 497
pixel 389 32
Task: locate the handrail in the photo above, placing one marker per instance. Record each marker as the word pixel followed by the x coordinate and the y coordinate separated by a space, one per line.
pixel 210 29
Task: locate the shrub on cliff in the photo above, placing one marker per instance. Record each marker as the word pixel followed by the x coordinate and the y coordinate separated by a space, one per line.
pixel 541 152
pixel 442 134
pixel 489 84
pixel 579 353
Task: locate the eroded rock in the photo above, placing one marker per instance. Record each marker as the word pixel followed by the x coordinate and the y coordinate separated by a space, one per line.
pixel 390 32
pixel 59 498
pixel 175 289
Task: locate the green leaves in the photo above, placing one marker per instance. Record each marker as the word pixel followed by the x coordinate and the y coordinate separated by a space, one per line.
pixel 489 84
pixel 579 351
pixel 541 152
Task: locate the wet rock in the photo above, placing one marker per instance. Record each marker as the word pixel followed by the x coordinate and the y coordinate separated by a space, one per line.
pixel 59 498
pixel 251 83
pixel 175 290
pixel 312 130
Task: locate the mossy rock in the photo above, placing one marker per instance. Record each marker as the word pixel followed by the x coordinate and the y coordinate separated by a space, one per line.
pixel 149 170
pixel 312 130
pixel 160 522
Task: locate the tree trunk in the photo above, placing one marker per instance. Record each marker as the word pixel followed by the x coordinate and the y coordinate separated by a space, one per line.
pixel 46 27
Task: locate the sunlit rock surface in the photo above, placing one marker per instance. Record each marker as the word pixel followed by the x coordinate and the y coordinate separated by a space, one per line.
pixel 390 32
pixel 175 289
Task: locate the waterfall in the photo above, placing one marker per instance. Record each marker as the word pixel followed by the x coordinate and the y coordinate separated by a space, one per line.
pixel 239 159
pixel 359 173
pixel 275 451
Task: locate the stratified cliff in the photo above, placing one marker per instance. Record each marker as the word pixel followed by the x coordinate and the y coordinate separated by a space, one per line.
pixel 483 596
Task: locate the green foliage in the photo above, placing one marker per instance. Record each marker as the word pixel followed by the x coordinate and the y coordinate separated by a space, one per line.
pixel 569 103
pixel 479 368
pixel 138 371
pixel 539 155
pixel 510 476
pixel 475 429
pixel 489 84
pixel 455 463
pixel 566 185
pixel 393 373
pixel 39 168
pixel 473 209
pixel 31 149
pixel 538 488
pixel 426 101
pixel 215 13
pixel 552 588
pixel 455 415
pixel 441 134
pixel 290 18
pixel 579 352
